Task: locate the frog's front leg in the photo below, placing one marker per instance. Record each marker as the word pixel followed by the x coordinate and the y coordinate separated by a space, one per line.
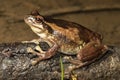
pixel 89 53
pixel 36 41
pixel 42 55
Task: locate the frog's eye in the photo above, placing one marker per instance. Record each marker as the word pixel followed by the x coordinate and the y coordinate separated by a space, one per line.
pixel 39 19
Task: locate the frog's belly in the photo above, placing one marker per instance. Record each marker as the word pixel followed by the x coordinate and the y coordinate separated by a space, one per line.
pixel 69 49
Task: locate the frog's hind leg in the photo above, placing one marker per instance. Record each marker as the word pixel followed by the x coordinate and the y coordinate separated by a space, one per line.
pixel 89 54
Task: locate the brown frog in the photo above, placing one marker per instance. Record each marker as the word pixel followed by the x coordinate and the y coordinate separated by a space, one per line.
pixel 67 37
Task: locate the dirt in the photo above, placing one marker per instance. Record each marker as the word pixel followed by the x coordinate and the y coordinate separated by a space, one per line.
pixel 13 28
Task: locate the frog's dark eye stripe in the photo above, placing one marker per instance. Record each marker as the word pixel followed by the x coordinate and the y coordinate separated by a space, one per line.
pixel 50 30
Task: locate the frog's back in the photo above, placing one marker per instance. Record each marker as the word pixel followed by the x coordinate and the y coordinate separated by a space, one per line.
pixel 73 35
pixel 73 31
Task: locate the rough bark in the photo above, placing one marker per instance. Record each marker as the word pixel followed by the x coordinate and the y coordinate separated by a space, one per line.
pixel 17 66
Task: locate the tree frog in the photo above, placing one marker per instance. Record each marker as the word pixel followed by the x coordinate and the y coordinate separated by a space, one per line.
pixel 67 37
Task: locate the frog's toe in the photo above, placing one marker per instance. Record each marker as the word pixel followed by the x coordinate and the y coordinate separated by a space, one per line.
pixel 36 41
pixel 39 49
pixel 34 62
pixel 29 49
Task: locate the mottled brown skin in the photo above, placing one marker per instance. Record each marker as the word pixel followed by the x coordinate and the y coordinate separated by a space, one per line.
pixel 68 37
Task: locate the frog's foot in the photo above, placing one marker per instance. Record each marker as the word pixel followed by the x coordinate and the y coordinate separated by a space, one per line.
pixel 37 48
pixel 78 64
pixel 42 55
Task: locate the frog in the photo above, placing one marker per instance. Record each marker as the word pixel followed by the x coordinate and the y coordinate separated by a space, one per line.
pixel 66 37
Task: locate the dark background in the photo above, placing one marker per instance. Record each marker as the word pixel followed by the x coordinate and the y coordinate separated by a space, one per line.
pixel 105 21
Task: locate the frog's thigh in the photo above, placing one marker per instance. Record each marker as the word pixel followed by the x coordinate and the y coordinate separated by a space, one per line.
pixel 90 51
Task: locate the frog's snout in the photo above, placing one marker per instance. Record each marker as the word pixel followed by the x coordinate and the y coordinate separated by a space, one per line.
pixel 29 19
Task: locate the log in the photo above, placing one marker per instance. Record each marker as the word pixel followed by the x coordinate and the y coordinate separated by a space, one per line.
pixel 15 64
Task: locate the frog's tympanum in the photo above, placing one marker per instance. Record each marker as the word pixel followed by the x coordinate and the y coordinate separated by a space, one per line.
pixel 67 37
